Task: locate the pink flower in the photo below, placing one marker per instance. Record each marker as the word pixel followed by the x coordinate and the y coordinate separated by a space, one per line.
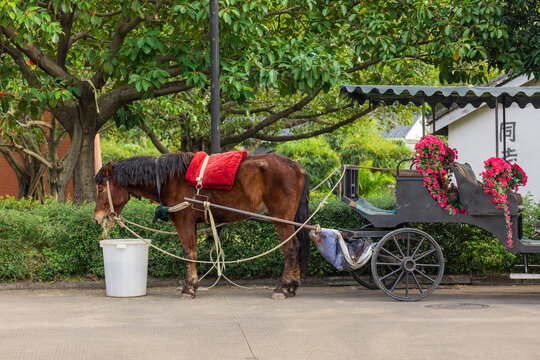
pixel 432 158
pixel 499 178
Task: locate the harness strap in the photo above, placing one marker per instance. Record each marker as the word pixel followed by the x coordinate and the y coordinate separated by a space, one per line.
pixel 111 206
pixel 201 172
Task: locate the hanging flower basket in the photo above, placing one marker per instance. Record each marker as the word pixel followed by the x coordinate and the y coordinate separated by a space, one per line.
pixel 500 178
pixel 432 158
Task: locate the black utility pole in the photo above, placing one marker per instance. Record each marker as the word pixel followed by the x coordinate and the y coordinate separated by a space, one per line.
pixel 215 146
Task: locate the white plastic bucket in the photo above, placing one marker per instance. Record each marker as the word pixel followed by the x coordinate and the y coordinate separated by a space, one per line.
pixel 126 267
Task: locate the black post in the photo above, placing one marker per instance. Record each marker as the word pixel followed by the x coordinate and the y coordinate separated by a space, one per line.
pixel 496 127
pixel 215 146
pixel 423 117
pixel 504 127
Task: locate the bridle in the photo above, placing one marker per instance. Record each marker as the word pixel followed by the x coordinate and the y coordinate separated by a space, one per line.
pixel 111 206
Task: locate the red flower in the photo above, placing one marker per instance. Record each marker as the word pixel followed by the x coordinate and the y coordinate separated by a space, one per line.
pixel 432 158
pixel 500 177
pixel 31 62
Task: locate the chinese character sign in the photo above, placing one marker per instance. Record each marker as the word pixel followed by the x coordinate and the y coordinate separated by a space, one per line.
pixel 508 132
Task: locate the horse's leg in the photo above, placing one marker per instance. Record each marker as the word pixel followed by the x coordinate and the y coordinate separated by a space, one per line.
pixel 187 234
pixel 290 279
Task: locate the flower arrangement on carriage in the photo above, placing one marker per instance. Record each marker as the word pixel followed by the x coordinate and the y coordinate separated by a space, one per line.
pixel 433 157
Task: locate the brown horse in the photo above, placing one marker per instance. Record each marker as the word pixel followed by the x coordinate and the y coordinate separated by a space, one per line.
pixel 270 183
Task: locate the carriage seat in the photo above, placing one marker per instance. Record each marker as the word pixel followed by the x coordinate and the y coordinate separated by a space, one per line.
pixel 467 172
pixel 472 196
pixel 407 173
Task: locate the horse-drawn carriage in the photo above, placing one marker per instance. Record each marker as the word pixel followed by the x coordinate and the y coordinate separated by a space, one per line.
pixel 408 264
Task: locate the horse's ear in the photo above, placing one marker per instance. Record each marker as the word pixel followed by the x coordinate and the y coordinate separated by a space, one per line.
pixel 107 172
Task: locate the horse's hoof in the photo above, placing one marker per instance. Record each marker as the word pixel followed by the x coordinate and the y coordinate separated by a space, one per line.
pixel 279 296
pixel 187 295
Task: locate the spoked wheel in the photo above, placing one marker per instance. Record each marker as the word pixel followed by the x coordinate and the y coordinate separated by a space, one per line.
pixel 364 277
pixel 407 264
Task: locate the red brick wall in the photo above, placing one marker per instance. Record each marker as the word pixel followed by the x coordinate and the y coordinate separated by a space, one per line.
pixel 8 181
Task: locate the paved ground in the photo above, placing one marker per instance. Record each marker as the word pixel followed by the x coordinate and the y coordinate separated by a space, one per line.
pixel 479 322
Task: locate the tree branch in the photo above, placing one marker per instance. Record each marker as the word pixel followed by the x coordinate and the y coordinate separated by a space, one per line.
pixel 313 133
pixel 124 27
pixel 110 102
pixel 158 144
pixel 40 58
pixel 290 123
pixel 235 139
pixel 251 111
pixel 11 159
pixel 66 20
pixel 35 123
pixel 112 13
pixel 363 65
pixel 286 11
pixel 79 36
pixel 23 66
pixel 28 152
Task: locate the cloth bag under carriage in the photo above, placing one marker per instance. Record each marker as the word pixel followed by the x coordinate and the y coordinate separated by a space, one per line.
pixel 339 253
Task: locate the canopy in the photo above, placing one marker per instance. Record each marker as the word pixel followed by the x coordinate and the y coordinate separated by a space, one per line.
pixel 445 95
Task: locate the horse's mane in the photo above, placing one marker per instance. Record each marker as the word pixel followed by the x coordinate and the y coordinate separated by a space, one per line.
pixel 141 170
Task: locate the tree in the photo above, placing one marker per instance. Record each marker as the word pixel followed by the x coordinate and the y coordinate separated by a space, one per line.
pixel 92 59
pixel 520 51
pixel 30 146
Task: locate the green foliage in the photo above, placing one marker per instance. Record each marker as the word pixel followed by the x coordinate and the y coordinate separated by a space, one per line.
pixel 520 51
pixel 383 198
pixel 51 241
pixel 60 241
pixel 315 156
pixel 366 145
pixel 470 250
pixel 112 149
pixel 370 181
pixel 531 218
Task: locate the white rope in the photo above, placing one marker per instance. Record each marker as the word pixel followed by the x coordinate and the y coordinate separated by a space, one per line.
pixel 179 207
pixel 328 177
pixel 122 224
pixel 201 172
pixel 95 94
pixel 219 263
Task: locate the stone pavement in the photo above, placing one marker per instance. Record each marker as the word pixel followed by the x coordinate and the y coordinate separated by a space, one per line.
pixel 344 322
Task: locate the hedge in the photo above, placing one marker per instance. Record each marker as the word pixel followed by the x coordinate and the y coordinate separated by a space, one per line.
pixel 52 241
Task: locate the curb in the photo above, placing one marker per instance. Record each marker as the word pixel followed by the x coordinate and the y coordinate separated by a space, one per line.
pixel 487 280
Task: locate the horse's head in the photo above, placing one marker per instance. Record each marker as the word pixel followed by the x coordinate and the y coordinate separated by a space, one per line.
pixel 109 188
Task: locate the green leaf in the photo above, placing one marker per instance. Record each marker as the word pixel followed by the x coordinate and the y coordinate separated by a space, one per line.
pixel 272 75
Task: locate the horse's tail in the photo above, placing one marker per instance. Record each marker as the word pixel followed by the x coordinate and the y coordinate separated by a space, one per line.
pixel 302 214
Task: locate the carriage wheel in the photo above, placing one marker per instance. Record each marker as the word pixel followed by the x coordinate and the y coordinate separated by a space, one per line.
pixel 407 264
pixel 364 277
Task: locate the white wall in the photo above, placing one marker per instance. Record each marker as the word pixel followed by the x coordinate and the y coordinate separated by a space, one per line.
pixel 415 133
pixel 474 137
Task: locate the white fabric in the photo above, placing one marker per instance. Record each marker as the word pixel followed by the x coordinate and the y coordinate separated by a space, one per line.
pixel 201 172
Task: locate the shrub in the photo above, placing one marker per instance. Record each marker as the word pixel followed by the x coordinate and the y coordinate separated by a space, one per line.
pixel 315 156
pixel 368 146
pixel 111 150
pixel 52 241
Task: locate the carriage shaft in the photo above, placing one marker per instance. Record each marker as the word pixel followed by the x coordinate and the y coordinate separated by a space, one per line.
pixel 255 215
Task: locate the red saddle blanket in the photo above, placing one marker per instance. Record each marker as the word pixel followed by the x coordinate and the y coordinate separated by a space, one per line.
pixel 220 170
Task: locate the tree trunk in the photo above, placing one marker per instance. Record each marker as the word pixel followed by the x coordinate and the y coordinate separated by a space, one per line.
pixel 84 187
